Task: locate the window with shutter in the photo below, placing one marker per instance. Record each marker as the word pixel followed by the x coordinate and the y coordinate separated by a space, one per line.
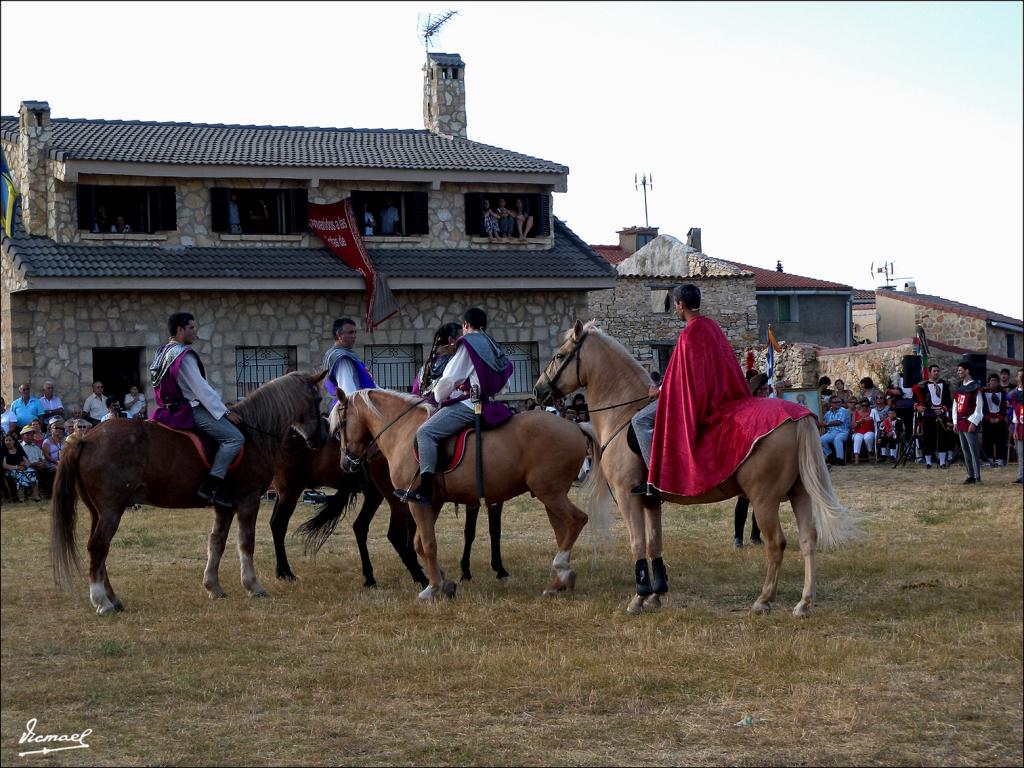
pixel 142 209
pixel 475 213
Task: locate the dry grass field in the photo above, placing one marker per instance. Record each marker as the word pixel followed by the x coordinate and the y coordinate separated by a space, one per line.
pixel 913 655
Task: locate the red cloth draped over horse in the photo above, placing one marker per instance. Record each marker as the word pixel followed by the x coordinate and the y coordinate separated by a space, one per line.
pixel 707 421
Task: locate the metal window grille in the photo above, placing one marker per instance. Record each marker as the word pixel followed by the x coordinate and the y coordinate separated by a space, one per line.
pixel 258 365
pixel 393 366
pixel 525 367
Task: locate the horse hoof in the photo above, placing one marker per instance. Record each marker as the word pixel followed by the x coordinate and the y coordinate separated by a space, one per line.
pixel 466 577
pixel 289 576
pixel 106 609
pixel 370 583
pixel 118 605
pixel 636 605
pixel 802 610
pixel 569 579
pixel 761 609
pixel 554 590
pixel 258 592
pixel 428 593
pixel 448 589
pixel 652 604
pixel 216 593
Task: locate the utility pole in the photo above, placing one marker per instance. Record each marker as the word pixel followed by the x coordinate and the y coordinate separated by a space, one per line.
pixel 646 181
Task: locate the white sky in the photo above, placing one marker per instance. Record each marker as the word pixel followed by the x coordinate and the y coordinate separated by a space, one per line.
pixel 830 136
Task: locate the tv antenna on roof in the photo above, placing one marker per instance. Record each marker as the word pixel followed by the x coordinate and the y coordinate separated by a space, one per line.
pixel 888 269
pixel 645 182
pixel 429 25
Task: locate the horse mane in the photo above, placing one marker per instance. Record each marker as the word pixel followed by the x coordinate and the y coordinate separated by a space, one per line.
pixel 364 396
pixel 615 346
pixel 272 406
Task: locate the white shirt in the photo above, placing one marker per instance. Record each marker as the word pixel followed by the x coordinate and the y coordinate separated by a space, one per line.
pixel 94 407
pixel 197 390
pixel 459 369
pixel 133 406
pixel 345 375
pixel 51 403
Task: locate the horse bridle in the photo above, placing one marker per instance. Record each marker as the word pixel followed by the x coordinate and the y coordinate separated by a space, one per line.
pixel 355 461
pixel 574 353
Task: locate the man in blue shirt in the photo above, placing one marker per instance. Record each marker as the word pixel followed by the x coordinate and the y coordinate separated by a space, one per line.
pixel 26 407
pixel 837 429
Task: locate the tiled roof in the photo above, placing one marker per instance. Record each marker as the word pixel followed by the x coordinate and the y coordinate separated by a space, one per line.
pixel 42 257
pixel 937 302
pixel 613 254
pixel 446 59
pixel 772 280
pixel 863 295
pixel 133 141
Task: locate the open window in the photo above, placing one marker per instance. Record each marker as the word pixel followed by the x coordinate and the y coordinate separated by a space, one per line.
pixel 109 209
pixel 259 211
pixel 391 214
pixel 536 206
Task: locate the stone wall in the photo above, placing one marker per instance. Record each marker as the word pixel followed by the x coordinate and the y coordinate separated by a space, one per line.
pixel 796 365
pixel 62 329
pixel 997 344
pixel 634 312
pixel 952 328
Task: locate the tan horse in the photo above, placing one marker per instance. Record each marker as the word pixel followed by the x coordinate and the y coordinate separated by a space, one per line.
pixel 785 464
pixel 534 451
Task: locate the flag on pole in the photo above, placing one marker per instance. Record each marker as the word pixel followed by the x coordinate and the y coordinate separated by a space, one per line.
pixel 921 349
pixel 10 196
pixel 773 347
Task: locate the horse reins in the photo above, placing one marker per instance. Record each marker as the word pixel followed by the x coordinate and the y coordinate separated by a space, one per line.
pixel 357 460
pixel 551 383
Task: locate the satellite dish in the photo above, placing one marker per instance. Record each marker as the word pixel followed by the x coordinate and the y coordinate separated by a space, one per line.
pixel 429 26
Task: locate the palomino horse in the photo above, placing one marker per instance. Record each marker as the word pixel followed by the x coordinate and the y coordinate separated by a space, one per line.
pixel 534 452
pixel 785 464
pixel 125 461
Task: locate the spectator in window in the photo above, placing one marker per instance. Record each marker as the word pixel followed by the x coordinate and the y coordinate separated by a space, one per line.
pixel 113 409
pixel 259 217
pixel 16 467
pixel 52 405
pixel 234 216
pixel 491 220
pixel 369 223
pixel 26 407
pixel 135 403
pixel 993 426
pixel 505 219
pixel 95 406
pixel 120 226
pixel 524 221
pixel 389 219
pixel 101 223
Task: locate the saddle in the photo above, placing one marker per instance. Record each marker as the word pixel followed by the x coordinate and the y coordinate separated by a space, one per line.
pixel 632 441
pixel 450 452
pixel 205 445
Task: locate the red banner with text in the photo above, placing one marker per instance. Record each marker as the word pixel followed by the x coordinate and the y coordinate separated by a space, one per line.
pixel 335 224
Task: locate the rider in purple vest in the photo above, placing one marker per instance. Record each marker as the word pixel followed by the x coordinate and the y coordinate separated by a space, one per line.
pixel 345 371
pixel 478 361
pixel 186 400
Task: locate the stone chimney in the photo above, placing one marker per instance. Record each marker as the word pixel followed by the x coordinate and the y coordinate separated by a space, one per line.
pixel 632 239
pixel 33 144
pixel 444 94
pixel 693 238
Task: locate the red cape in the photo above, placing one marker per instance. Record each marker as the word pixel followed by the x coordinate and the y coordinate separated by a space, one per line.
pixel 707 421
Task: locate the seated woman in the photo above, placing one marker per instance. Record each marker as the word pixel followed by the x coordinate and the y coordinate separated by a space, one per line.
pixel 490 222
pixel 524 221
pixel 863 430
pixel 135 403
pixel 16 467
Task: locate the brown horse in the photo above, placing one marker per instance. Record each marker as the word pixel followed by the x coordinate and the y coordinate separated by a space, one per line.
pixel 785 464
pixel 534 452
pixel 125 461
pixel 302 467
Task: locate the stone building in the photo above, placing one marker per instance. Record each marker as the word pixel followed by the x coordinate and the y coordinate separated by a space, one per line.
pixel 948 322
pixel 80 302
pixel 639 311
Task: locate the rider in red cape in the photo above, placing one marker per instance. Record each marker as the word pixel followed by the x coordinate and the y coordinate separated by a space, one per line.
pixel 707 422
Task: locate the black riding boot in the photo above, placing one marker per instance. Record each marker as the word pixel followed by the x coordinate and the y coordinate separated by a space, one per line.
pixel 424 493
pixel 210 490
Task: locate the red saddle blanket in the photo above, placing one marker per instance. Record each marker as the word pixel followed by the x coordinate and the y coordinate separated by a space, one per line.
pixel 451 452
pixel 204 447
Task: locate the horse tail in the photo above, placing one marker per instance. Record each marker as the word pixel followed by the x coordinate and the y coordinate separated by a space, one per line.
pixel 597 493
pixel 63 552
pixel 834 522
pixel 319 528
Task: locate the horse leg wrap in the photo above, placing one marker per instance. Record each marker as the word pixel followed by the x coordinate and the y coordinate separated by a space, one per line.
pixel 643 578
pixel 660 576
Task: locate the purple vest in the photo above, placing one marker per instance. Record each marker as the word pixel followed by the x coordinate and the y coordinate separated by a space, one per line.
pixel 172 408
pixel 486 357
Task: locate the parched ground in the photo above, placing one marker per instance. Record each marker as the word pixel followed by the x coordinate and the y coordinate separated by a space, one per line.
pixel 913 655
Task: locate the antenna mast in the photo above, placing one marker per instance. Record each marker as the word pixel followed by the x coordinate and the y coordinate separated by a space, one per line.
pixel 429 25
pixel 646 181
